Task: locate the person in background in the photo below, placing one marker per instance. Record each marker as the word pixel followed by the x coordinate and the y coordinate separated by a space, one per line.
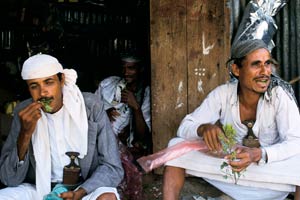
pixel 263 110
pixel 127 103
pixel 58 119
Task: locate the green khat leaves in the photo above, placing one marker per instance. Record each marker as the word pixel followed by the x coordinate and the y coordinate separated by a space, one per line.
pixel 228 141
pixel 46 104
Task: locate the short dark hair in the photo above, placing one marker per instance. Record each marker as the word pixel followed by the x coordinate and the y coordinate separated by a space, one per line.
pixel 59 75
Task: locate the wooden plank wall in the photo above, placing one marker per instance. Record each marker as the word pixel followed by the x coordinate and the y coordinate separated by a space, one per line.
pixel 189 47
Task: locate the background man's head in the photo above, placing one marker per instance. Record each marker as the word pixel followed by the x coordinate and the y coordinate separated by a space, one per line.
pixel 131 68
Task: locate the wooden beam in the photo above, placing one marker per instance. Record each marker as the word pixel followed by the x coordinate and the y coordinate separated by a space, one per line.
pixel 168 68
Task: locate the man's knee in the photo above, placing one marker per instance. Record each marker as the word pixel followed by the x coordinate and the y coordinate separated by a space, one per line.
pixel 107 196
pixel 173 176
pixel 174 170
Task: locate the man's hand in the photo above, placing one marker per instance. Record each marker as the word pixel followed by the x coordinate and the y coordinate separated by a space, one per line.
pixel 128 97
pixel 29 117
pixel 112 114
pixel 210 133
pixel 73 195
pixel 244 157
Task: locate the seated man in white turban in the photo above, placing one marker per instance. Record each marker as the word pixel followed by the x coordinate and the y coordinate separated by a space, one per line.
pixel 263 111
pixel 56 120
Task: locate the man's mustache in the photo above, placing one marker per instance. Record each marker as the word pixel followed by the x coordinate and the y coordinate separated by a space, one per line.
pixel 47 99
pixel 262 77
pixel 128 76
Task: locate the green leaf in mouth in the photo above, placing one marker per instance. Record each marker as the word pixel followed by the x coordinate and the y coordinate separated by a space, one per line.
pixel 46 104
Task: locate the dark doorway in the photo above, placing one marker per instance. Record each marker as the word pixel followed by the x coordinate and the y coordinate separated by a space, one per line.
pixel 86 35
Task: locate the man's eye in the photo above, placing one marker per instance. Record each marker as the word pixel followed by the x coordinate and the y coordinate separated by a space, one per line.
pixel 49 82
pixel 256 64
pixel 32 87
pixel 268 63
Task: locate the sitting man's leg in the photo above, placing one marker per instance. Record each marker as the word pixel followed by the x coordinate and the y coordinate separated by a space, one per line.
pixel 173 182
pixel 25 191
pixel 297 193
pixel 103 193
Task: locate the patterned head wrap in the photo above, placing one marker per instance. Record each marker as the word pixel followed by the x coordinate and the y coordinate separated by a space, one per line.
pixel 245 47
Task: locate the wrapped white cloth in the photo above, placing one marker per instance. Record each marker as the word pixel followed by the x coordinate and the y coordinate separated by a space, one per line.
pixel 110 90
pixel 280 176
pixel 27 191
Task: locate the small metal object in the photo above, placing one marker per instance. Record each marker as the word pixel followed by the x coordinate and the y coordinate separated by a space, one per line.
pixel 250 140
pixel 71 173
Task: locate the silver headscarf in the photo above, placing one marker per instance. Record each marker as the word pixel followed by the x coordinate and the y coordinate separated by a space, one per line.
pixel 245 47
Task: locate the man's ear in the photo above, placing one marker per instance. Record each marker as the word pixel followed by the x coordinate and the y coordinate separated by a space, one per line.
pixel 235 70
pixel 62 79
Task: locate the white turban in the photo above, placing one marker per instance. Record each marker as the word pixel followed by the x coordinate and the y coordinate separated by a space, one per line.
pixel 40 66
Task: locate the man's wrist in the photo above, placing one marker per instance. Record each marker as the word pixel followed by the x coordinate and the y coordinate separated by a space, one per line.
pixel 263 160
pixel 137 107
pixel 80 192
pixel 200 130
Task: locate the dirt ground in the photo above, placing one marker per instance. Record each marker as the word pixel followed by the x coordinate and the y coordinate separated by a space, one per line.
pixel 193 187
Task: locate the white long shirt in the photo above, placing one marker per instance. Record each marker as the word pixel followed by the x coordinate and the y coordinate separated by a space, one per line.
pixel 277 119
pixel 58 145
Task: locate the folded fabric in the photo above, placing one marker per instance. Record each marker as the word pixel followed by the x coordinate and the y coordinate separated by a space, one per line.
pixel 159 158
pixel 281 175
pixel 53 195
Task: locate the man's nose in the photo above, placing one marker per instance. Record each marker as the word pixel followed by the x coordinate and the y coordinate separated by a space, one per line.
pixel 126 72
pixel 265 69
pixel 43 91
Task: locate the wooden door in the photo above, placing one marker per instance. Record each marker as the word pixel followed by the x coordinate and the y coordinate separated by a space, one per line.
pixel 189 48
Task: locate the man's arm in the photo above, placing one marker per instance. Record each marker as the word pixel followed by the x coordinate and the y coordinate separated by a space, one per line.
pixel 209 112
pixel 29 117
pixel 287 126
pixel 141 128
pixel 12 173
pixel 106 164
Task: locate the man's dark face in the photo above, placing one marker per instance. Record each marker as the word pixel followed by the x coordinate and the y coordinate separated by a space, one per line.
pixel 254 75
pixel 131 72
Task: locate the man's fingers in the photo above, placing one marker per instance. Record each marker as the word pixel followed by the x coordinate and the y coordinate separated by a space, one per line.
pixel 29 110
pixel 241 162
pixel 32 116
pixel 216 143
pixel 207 142
pixel 67 195
pixel 238 169
pixel 29 116
pixel 115 113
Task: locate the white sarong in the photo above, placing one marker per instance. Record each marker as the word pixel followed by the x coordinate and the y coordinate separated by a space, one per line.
pixel 27 191
pixel 279 176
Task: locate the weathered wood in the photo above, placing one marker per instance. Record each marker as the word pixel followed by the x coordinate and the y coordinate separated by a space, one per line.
pixel 189 48
pixel 206 50
pixel 169 66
